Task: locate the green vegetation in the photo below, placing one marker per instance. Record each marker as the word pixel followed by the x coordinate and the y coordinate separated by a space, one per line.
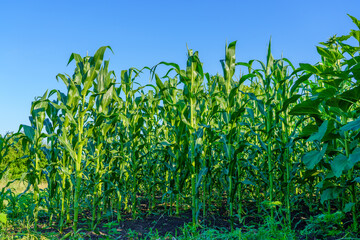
pixel 274 147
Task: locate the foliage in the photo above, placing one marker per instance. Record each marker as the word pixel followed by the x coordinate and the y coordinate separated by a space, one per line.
pixel 12 157
pixel 325 225
pixel 274 137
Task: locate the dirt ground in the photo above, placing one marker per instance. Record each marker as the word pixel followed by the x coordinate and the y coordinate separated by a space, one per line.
pixel 145 223
pixel 159 221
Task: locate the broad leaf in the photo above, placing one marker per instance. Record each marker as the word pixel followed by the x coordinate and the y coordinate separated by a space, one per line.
pixel 354 125
pixel 330 193
pixel 287 102
pixel 354 158
pixel 299 81
pixel 320 133
pixel 348 207
pixel 338 164
pixel 307 107
pixel 312 158
pixel 29 132
pixel 308 67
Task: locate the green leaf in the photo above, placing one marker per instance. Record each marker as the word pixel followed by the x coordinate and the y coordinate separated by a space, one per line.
pixel 320 133
pixel 337 111
pixel 326 93
pixel 247 182
pixel 330 193
pixel 226 117
pixel 331 55
pixel 348 207
pixel 237 114
pixel 96 63
pixel 3 218
pixel 269 60
pixel 260 107
pixel 226 147
pixel 229 66
pixel 287 102
pixel 312 158
pixel 356 71
pixel 355 34
pixel 165 143
pixel 29 132
pixel 299 81
pixel 353 125
pixel 251 113
pixel 308 130
pixel 341 163
pixel 75 56
pixel 348 98
pixel 66 144
pixel 245 77
pixel 263 145
pixel 308 67
pixel 106 98
pixel 200 176
pixel 159 83
pixel 232 96
pixel 272 204
pixel 354 158
pixel 323 52
pixel 338 164
pixel 308 107
pixel 355 20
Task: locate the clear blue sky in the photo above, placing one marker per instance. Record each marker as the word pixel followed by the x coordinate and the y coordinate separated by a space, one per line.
pixel 37 37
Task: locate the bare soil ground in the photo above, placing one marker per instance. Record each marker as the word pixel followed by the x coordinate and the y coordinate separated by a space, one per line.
pixel 160 221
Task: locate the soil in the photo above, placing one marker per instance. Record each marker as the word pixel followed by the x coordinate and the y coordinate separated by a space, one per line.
pixel 164 224
pixel 159 221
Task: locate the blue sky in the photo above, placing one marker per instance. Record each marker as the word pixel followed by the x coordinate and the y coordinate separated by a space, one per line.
pixel 38 37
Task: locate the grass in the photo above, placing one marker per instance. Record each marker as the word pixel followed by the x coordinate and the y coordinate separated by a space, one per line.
pixel 18 186
pixel 187 232
pixel 22 227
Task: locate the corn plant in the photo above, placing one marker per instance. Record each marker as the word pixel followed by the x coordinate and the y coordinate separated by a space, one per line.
pixel 87 70
pixel 265 138
pixel 34 136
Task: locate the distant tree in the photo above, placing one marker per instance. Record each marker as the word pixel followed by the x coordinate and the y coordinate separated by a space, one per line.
pixel 13 155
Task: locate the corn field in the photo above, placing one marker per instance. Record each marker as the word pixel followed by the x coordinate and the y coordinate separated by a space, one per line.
pixel 261 138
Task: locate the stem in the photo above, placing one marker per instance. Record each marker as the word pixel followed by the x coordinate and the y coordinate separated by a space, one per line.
pixel 350 177
pixel 193 179
pixel 268 125
pixel 231 204
pixel 63 196
pixel 177 188
pixel 192 142
pixel 78 170
pixel 36 191
pixel 287 176
pixel 239 196
pixel 133 195
pixel 119 206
